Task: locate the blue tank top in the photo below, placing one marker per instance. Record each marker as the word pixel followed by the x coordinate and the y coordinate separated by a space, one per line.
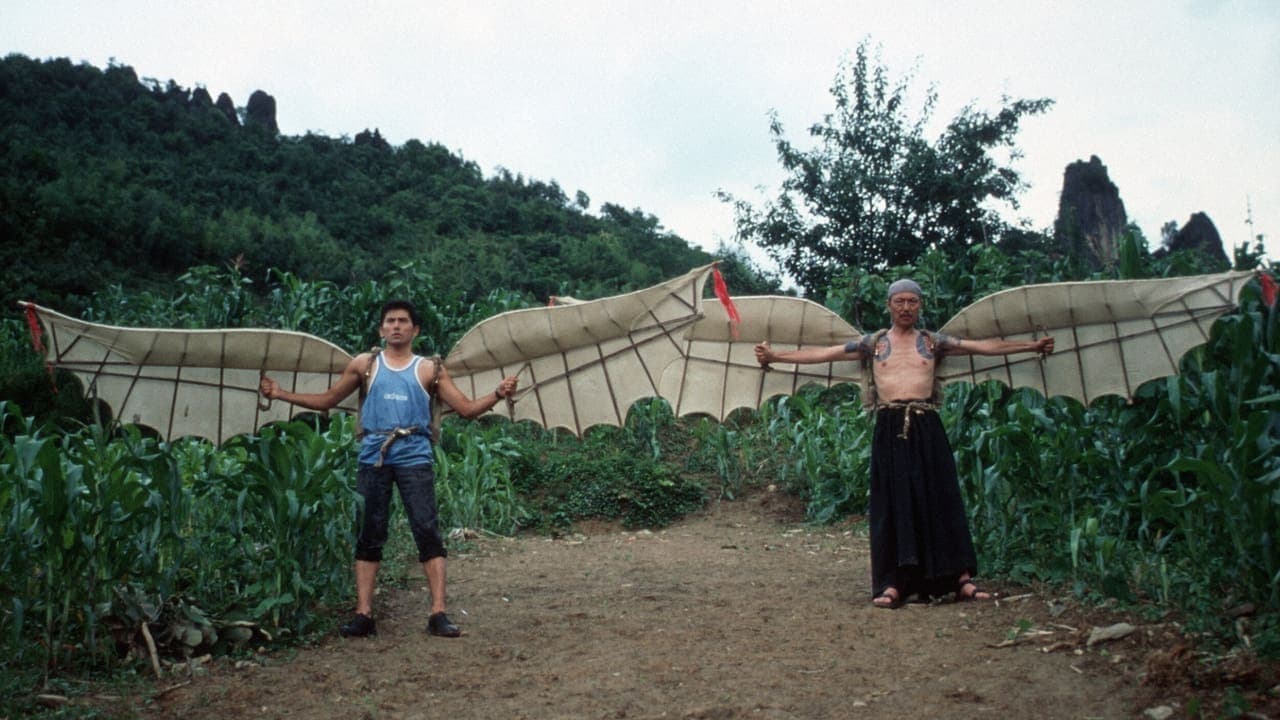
pixel 396 400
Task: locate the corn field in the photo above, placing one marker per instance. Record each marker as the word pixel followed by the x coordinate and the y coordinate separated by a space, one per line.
pixel 107 534
pixel 115 542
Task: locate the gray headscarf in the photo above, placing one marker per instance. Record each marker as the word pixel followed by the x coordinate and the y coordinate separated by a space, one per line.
pixel 905 285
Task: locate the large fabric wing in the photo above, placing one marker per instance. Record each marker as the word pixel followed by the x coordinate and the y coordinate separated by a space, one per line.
pixel 718 373
pixel 1110 336
pixel 584 363
pixel 201 383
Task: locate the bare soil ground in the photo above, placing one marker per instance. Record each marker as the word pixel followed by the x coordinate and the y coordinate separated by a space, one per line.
pixel 741 611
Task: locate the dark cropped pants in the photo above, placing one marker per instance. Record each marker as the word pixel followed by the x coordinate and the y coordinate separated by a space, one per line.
pixel 417 486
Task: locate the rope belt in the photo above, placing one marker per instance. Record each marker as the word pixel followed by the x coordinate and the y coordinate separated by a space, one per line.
pixel 393 435
pixel 909 407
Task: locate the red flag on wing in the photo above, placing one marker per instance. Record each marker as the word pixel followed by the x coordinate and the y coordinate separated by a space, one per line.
pixel 722 292
pixel 1268 289
pixel 37 342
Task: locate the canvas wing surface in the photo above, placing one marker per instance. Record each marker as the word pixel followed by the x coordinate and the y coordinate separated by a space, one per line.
pixel 201 383
pixel 584 363
pixel 718 373
pixel 1110 336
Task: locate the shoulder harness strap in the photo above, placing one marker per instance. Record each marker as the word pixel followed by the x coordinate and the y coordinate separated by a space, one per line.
pixel 932 338
pixel 364 387
pixel 869 396
pixel 368 371
pixel 437 408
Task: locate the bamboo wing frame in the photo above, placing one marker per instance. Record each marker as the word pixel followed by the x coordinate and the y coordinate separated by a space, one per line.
pixel 1110 336
pixel 718 372
pixel 201 383
pixel 583 364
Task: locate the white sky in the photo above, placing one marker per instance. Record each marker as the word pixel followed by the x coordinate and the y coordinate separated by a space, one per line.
pixel 656 104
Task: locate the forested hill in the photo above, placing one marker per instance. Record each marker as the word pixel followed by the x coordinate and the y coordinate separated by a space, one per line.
pixel 105 178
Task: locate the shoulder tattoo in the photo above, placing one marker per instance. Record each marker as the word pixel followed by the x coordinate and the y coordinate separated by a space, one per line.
pixel 924 345
pixel 883 347
pixel 943 343
pixel 930 344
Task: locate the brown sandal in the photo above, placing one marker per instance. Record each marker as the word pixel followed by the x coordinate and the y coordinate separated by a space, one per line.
pixel 892 595
pixel 974 592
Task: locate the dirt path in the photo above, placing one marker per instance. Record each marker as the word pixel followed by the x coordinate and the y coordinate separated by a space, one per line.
pixel 740 612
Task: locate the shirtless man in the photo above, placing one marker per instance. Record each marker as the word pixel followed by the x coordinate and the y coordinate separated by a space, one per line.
pixel 920 540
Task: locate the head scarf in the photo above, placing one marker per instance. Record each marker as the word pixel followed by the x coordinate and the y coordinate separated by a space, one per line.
pixel 905 285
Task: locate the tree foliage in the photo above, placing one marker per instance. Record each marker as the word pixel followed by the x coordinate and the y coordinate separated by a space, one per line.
pixel 874 191
pixel 107 179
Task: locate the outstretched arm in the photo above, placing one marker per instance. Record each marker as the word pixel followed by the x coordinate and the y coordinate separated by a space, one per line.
pixel 831 353
pixel 350 380
pixel 472 407
pixel 995 346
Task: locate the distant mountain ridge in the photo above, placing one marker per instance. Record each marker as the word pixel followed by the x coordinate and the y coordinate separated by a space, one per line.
pixel 108 179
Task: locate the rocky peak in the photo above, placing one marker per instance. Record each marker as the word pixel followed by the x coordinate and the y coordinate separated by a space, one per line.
pixel 1091 215
pixel 262 111
pixel 227 107
pixel 1201 235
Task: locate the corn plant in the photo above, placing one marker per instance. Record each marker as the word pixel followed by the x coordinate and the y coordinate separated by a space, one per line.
pixel 721 449
pixel 1175 496
pixel 473 478
pixel 821 448
pixel 82 519
pixel 645 425
pixel 1223 482
pixel 290 510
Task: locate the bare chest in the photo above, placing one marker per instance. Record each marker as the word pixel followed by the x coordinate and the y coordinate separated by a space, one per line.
pixel 904 366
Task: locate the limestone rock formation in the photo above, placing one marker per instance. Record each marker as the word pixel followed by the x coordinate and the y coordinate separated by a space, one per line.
pixel 200 99
pixel 374 139
pixel 1201 235
pixel 1091 216
pixel 228 108
pixel 261 110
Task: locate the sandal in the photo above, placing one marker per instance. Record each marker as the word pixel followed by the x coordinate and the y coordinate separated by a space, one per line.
pixel 969 591
pixel 888 599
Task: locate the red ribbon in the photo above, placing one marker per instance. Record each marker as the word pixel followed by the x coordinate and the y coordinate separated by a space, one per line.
pixel 37 332
pixel 722 292
pixel 1268 289
pixel 37 344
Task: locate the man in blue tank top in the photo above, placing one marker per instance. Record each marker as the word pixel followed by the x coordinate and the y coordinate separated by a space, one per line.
pixel 395 448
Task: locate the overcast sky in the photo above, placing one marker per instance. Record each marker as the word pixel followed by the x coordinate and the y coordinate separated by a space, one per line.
pixel 656 105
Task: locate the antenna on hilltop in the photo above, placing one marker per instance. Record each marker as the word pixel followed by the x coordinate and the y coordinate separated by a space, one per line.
pixel 1257 237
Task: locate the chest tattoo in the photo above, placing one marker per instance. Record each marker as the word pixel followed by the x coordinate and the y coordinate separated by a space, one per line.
pixel 883 348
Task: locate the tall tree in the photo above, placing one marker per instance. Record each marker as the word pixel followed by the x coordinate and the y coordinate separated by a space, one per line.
pixel 874 192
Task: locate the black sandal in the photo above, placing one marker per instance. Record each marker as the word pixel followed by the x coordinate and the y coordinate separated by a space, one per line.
pixel 894 596
pixel 972 595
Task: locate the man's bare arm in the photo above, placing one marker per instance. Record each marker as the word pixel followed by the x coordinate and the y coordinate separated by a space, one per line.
pixel 766 355
pixel 352 376
pixel 994 346
pixel 472 407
